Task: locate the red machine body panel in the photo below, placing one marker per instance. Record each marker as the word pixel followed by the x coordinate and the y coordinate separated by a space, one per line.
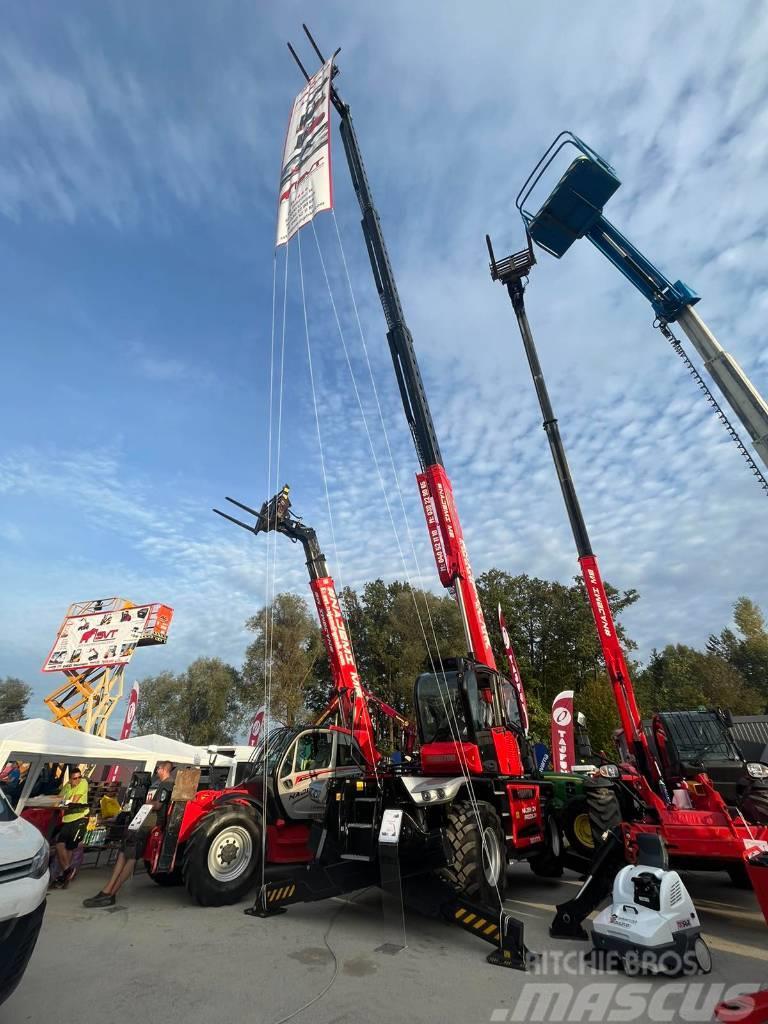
pixel 447 758
pixel 526 816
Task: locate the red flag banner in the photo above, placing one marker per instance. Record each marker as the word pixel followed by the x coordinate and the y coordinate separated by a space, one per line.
pixel 563 747
pixel 125 732
pixel 257 726
pixel 514 671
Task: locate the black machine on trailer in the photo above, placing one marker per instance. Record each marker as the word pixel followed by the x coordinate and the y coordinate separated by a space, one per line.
pixel 476 799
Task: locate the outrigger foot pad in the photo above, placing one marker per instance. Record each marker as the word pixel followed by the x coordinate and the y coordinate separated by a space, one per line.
pixel 566 924
pixel 268 902
pixel 496 926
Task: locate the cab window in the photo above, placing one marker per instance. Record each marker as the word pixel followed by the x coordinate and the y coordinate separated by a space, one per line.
pixel 287 766
pixel 511 706
pixel 314 751
pixel 347 753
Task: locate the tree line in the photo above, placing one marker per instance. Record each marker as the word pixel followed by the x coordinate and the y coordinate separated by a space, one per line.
pixel 391 626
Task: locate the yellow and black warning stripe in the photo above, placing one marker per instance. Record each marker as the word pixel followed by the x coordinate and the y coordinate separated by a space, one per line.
pixel 277 895
pixel 475 923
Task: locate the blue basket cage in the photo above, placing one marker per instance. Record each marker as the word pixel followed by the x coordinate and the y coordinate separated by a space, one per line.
pixel 576 203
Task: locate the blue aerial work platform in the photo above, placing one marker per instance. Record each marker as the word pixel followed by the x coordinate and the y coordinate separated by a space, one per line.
pixel 574 209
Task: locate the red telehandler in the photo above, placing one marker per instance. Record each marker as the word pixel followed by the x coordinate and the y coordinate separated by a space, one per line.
pixel 718 811
pixel 476 800
pixel 213 839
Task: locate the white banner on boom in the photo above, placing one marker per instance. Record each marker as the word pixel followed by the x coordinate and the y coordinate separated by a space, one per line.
pixel 305 179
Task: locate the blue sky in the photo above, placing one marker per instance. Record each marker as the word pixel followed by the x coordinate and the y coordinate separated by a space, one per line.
pixel 140 152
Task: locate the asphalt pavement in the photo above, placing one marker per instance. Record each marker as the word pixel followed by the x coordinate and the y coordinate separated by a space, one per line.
pixel 155 958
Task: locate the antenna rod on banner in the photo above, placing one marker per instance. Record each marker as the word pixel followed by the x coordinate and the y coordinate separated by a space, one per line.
pixel 335 98
pixel 316 48
pixel 296 58
pixel 313 44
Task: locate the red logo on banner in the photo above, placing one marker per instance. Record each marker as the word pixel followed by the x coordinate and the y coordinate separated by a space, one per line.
pixel 257 726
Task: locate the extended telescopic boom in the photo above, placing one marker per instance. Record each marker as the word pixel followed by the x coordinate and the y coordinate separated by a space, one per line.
pixel 512 272
pixel 435 488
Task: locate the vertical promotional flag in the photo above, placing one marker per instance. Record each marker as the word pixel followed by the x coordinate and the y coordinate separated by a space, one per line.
pixel 305 177
pixel 130 715
pixel 514 671
pixel 563 747
pixel 258 726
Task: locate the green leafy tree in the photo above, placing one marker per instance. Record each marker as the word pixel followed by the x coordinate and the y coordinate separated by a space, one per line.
pixel 14 697
pixel 388 623
pixel 596 702
pixel 553 632
pixel 746 650
pixel 201 705
pixel 680 678
pixel 287 656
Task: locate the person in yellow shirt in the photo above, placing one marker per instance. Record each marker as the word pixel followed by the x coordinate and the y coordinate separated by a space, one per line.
pixel 70 833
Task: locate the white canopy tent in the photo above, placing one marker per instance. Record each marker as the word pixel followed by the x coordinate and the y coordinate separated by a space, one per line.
pixel 166 749
pixel 37 741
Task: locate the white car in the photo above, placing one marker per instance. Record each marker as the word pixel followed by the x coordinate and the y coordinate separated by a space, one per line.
pixel 23 885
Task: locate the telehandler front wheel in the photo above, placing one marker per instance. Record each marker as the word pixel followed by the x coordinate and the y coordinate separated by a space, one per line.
pixel 477 862
pixel 222 856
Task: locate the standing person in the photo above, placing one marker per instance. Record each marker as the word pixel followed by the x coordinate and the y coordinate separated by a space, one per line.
pixel 70 833
pixel 159 796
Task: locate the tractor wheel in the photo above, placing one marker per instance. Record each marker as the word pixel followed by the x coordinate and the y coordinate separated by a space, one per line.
pixel 755 806
pixel 222 856
pixel 478 860
pixel 739 876
pixel 165 879
pixel 550 863
pixel 604 811
pixel 577 827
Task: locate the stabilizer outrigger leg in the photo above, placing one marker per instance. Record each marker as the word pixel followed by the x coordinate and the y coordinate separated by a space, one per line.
pixel 608 858
pixel 313 882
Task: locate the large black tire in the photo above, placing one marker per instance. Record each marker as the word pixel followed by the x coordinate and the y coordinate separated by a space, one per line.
pixel 163 878
pixel 222 856
pixel 549 864
pixel 576 824
pixel 604 810
pixel 739 877
pixel 755 806
pixel 473 871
